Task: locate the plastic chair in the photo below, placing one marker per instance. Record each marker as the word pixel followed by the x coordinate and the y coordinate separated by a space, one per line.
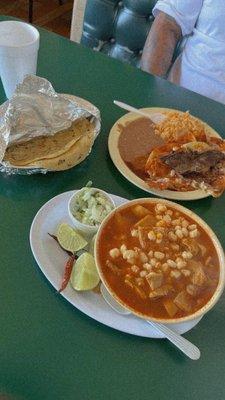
pixel 117 28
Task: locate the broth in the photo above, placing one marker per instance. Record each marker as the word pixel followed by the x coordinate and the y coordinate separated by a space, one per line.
pixel 158 261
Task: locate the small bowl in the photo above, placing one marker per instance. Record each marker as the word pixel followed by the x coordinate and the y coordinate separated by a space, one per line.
pixel 87 230
pixel 219 289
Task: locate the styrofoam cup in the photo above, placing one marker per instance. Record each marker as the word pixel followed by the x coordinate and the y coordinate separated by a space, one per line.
pixel 19 44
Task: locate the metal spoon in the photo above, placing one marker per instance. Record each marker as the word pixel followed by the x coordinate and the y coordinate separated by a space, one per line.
pixel 111 302
pixel 183 344
pixel 155 117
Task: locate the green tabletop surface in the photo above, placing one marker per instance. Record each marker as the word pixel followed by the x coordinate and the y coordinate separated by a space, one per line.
pixel 49 349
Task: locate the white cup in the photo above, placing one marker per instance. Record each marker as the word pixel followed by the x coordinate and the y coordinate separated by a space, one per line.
pixel 19 44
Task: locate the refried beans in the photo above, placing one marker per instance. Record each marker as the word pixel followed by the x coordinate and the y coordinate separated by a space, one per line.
pixel 137 139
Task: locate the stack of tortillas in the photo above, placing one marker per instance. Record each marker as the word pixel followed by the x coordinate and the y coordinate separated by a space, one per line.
pixel 59 152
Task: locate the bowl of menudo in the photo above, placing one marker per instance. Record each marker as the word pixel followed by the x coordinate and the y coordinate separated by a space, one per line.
pixel 160 260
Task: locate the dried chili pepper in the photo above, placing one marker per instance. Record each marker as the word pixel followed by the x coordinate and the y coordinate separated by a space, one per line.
pixel 67 272
pixel 68 266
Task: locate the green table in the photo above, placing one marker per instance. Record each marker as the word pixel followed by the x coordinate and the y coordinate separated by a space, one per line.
pixel 49 349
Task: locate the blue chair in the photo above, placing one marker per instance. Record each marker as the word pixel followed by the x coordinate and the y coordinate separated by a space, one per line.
pixel 117 28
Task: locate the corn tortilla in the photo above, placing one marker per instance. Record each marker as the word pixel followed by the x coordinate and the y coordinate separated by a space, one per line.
pixel 50 147
pixel 77 153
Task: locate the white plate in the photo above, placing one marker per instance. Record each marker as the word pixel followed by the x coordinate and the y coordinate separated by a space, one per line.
pixel 131 176
pixel 51 260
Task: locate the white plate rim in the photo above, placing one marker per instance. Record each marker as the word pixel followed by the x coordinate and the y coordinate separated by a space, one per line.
pixel 131 176
pixel 125 323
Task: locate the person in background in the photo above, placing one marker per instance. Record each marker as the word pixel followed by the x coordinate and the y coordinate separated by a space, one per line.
pixel 201 65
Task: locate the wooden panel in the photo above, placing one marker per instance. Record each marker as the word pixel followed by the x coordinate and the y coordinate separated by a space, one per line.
pixel 49 14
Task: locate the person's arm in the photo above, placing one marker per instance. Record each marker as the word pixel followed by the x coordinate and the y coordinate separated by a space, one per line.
pixel 160 45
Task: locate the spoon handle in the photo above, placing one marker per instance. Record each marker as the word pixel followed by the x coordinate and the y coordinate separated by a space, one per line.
pixel 130 108
pixel 155 117
pixel 179 341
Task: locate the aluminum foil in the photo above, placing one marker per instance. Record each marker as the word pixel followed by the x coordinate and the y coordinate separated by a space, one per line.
pixel 35 110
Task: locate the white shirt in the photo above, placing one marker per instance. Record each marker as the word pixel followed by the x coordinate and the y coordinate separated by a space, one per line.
pixel 201 65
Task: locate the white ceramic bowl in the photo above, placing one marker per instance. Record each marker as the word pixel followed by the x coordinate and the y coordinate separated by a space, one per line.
pixel 218 291
pixel 87 230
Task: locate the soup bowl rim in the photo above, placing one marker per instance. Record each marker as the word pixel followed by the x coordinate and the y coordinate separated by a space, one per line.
pixel 216 243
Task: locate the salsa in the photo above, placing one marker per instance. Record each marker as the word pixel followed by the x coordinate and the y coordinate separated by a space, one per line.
pixel 158 261
pixel 91 206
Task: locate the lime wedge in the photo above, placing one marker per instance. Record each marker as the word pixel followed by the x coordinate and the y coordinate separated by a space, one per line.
pixel 84 273
pixel 69 239
pixel 92 245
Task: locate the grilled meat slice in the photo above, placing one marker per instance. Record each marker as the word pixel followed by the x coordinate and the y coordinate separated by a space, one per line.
pixel 186 162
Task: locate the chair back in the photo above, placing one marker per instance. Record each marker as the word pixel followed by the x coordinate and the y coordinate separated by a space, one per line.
pixel 117 28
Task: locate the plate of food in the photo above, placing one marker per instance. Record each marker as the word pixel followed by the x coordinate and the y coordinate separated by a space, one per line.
pixel 179 158
pixel 76 275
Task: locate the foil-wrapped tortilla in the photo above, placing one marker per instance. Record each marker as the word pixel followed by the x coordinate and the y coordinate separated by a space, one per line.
pixel 41 130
